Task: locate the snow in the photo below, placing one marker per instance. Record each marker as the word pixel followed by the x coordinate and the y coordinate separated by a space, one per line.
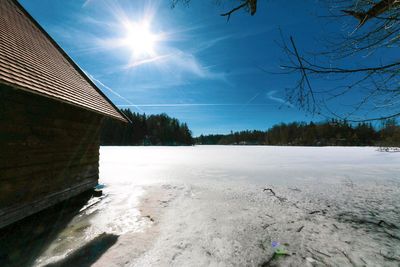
pixel 206 206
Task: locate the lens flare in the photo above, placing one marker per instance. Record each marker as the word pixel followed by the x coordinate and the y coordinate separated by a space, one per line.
pixel 140 39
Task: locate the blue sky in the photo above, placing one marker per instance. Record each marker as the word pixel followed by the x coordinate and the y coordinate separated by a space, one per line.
pixel 198 67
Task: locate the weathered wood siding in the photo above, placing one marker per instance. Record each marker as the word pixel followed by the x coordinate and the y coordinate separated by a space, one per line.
pixel 49 151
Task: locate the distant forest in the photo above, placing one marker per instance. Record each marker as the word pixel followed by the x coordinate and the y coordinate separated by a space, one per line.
pixel 145 130
pixel 332 133
pixel 164 130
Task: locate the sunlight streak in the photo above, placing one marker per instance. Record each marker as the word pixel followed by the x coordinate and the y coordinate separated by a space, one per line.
pixel 136 39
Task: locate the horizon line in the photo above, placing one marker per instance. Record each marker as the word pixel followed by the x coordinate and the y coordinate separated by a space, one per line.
pixel 192 105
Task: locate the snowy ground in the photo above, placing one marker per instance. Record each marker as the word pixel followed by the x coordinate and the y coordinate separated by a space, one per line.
pixel 206 206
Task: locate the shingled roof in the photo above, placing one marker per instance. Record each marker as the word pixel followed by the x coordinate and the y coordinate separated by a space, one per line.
pixel 31 60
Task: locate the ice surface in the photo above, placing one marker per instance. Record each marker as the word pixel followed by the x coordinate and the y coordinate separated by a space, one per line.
pixel 336 206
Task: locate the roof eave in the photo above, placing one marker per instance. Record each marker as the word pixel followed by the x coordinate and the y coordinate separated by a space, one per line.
pixel 123 118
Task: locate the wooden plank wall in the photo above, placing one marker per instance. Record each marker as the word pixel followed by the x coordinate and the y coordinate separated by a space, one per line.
pixel 49 151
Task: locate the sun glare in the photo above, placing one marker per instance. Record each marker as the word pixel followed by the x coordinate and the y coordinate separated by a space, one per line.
pixel 140 39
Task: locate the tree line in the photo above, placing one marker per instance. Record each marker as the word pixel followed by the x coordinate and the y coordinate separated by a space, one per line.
pixel 330 133
pixel 145 130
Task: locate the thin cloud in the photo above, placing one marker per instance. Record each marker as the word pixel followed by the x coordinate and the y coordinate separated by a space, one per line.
pixel 270 95
pixel 210 43
pixel 179 65
pixel 87 2
pixel 146 61
pixel 184 62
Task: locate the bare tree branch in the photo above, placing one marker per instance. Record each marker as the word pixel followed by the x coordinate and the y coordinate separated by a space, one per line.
pixel 376 10
pixel 229 13
pixel 336 75
pixel 302 68
pixel 251 4
pixel 322 69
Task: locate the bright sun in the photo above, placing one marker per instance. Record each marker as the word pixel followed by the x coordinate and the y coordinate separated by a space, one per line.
pixel 140 39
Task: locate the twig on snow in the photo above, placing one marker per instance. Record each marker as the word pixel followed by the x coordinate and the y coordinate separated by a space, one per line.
pixel 322 253
pixel 348 258
pixel 270 190
pixel 281 199
pixel 295 189
pixel 267 225
pixel 318 211
pixel 391 225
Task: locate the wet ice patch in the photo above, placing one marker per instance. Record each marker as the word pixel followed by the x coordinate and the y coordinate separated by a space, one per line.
pixel 114 212
pixel 117 213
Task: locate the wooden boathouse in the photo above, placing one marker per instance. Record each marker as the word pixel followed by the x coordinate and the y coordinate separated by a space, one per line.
pixel 50 118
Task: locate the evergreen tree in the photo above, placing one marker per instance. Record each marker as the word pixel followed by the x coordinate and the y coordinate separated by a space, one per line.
pixel 145 130
pixel 330 133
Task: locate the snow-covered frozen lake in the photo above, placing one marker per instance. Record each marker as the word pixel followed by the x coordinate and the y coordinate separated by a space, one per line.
pixel 207 206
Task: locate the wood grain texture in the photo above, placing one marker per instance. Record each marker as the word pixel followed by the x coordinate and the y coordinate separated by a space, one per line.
pixel 47 148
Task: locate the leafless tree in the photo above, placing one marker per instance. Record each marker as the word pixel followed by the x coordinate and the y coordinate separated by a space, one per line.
pixel 248 5
pixel 375 88
pixel 371 31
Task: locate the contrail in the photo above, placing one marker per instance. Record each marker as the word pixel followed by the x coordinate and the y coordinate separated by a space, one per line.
pixel 130 104
pixel 271 96
pixel 248 103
